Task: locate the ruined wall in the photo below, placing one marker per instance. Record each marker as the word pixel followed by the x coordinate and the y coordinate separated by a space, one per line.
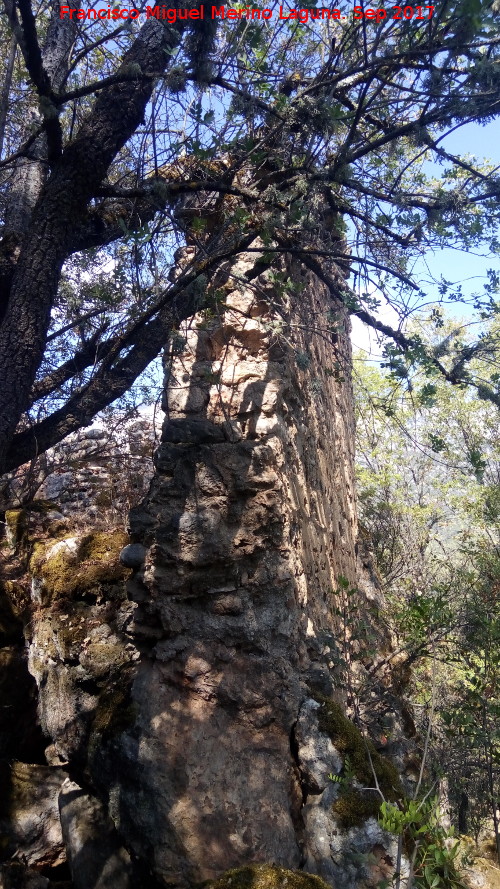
pixel 248 525
pixel 94 474
pixel 193 726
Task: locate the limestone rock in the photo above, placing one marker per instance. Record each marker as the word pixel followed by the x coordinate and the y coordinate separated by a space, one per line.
pixel 15 526
pixel 96 857
pixel 79 653
pixel 362 856
pixel 30 822
pixel 169 794
pixel 80 661
pixel 317 756
pixel 78 565
pixel 11 627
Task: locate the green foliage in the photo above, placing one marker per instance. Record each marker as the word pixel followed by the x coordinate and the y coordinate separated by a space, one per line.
pixel 322 138
pixel 428 473
pixel 432 850
pixel 366 776
pixel 428 462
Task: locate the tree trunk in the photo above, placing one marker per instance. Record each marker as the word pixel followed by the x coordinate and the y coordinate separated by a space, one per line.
pixel 45 215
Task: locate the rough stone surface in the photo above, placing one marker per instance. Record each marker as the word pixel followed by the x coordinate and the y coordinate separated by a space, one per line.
pixel 31 816
pixel 317 756
pixel 189 712
pixel 362 856
pixel 248 525
pixel 80 660
pixel 96 857
pixel 133 555
pixel 95 473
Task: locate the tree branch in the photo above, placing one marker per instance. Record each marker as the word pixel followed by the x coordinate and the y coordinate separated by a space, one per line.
pixel 114 117
pixel 457 377
pixel 91 353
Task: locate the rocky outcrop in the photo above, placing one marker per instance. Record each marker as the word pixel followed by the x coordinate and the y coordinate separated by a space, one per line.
pixel 73 611
pixel 96 855
pixel 79 653
pixel 30 819
pixel 198 724
pixel 249 530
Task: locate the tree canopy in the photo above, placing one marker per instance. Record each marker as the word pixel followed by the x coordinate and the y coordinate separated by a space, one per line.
pixel 312 136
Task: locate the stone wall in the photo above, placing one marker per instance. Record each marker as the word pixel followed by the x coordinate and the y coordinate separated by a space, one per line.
pixel 248 526
pixel 96 473
pixel 194 726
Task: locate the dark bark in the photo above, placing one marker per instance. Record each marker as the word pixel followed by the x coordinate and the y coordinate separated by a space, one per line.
pixel 91 353
pixel 116 374
pixel 105 387
pixel 4 99
pixel 74 180
pixel 48 69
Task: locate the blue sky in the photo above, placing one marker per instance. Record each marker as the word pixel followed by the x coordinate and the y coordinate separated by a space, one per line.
pixel 456 266
pixel 476 139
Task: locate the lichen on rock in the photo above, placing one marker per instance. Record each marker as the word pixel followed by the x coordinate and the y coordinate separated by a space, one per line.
pixel 79 565
pixel 266 876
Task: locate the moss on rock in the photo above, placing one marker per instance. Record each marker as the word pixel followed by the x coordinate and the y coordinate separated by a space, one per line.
pixel 69 636
pixel 101 659
pixel 266 876
pixel 363 758
pixel 354 806
pixel 71 566
pixel 16 521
